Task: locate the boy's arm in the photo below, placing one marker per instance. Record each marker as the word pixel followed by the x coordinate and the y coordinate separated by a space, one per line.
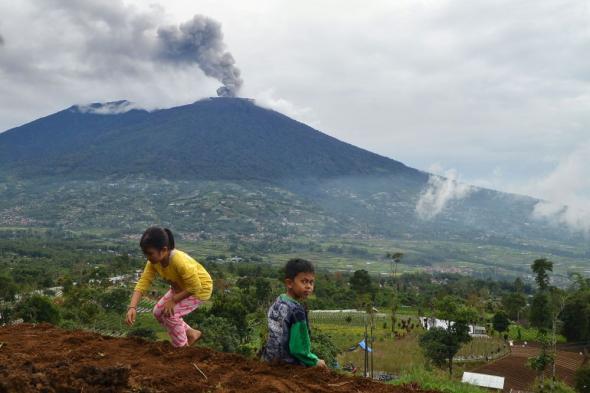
pixel 300 343
pixel 148 275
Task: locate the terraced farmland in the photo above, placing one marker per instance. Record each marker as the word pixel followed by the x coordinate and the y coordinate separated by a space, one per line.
pixel 520 377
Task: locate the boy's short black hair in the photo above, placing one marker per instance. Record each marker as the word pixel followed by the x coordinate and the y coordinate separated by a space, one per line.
pixel 296 266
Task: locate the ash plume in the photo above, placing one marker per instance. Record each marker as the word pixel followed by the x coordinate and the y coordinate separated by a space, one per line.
pixel 118 39
pixel 200 41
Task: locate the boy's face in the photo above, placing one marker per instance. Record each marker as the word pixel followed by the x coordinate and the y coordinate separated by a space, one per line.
pixel 301 286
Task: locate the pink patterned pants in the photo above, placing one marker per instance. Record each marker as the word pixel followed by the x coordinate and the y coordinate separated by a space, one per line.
pixel 175 325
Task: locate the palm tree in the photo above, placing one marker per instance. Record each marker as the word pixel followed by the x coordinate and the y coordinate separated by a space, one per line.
pixel 395 259
pixel 540 267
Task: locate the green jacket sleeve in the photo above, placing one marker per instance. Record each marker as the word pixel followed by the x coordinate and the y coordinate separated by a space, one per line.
pixel 300 344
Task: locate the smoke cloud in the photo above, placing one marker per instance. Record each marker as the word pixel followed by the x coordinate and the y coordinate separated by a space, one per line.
pixel 108 108
pixel 567 188
pixel 200 41
pixel 113 39
pixel 439 192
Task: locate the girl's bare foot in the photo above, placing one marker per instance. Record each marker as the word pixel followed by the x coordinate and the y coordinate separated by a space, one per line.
pixel 193 336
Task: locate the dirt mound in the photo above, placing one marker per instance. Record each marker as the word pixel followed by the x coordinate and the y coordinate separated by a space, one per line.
pixel 42 358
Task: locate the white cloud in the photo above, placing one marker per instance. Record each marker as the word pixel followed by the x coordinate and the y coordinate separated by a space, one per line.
pixel 269 99
pixel 440 191
pixel 566 191
pixel 108 108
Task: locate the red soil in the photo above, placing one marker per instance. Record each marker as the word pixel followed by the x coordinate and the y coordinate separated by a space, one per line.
pixel 42 358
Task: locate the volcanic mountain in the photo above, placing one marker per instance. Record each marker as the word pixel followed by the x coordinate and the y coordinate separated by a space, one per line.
pixel 217 138
pixel 229 169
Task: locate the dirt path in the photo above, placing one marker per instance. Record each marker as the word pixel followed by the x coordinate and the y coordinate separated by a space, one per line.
pixel 42 358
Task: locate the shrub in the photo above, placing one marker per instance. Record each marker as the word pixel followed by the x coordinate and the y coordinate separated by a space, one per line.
pixel 38 309
pixel 220 334
pixel 582 380
pixel 323 346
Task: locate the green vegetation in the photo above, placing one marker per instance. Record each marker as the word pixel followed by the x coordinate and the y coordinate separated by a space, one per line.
pixel 69 279
pixel 583 380
pixel 436 381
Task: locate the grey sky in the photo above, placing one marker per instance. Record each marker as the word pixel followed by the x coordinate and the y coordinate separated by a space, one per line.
pixel 499 91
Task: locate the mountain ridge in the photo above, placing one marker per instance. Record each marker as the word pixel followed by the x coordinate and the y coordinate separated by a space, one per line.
pixel 225 168
pixel 233 138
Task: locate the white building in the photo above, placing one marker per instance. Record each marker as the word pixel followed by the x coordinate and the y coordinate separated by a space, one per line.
pixel 429 323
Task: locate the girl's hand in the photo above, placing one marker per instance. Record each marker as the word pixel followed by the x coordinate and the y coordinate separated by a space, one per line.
pixel 169 307
pixel 131 314
pixel 321 364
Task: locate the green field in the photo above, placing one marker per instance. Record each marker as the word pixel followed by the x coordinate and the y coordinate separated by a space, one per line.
pixel 398 354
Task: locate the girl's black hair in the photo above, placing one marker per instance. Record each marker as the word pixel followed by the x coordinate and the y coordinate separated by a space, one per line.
pixel 296 266
pixel 157 238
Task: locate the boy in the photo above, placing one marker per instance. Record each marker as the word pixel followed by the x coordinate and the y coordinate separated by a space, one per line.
pixel 288 329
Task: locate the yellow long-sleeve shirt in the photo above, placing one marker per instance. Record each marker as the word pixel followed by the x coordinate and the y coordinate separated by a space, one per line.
pixel 182 273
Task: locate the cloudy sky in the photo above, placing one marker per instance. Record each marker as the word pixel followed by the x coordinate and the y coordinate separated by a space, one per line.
pixel 495 92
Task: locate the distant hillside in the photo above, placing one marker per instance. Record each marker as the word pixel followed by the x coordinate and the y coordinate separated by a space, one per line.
pixel 217 138
pixel 227 169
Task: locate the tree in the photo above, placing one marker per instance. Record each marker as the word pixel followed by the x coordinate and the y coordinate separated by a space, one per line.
pixel 541 267
pixel 500 322
pixel 8 288
pixel 232 307
pixel 67 284
pixel 395 259
pixel 451 308
pixel 394 308
pixel 38 309
pixel 115 299
pixel 513 303
pixel 360 282
pixel 540 311
pixel 576 317
pixel 580 281
pixel 263 290
pixel 543 360
pixel 441 345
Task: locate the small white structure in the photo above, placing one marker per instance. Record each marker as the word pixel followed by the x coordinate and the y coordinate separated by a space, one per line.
pixel 483 380
pixel 429 323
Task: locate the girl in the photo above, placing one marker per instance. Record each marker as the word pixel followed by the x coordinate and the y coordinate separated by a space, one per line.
pixel 190 285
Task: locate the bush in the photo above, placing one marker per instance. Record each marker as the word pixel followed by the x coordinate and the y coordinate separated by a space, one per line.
pixel 5 315
pixel 8 288
pixel 220 334
pixel 322 345
pixel 38 309
pixel 582 380
pixel 559 387
pixel 68 324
